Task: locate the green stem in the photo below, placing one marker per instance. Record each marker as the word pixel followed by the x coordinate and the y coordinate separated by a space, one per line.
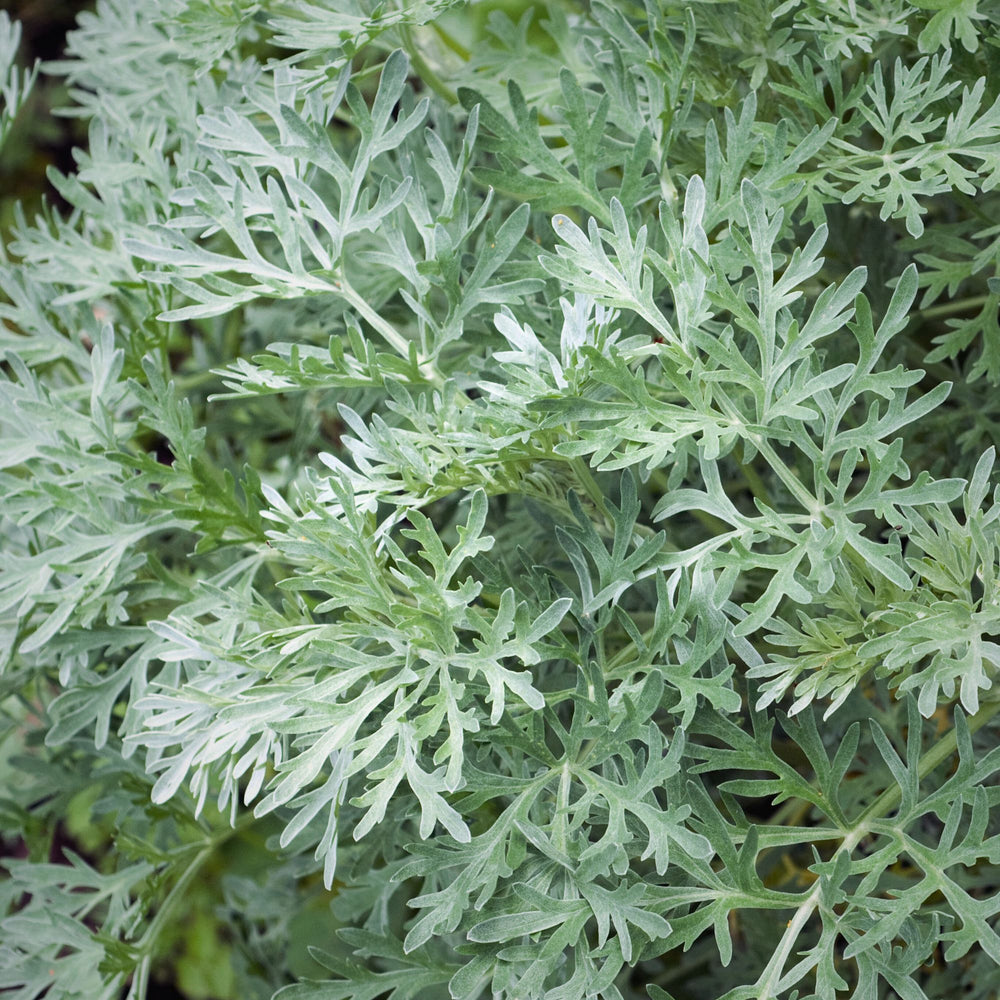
pixel 390 334
pixel 784 473
pixel 423 69
pixel 590 487
pixel 756 484
pixel 451 42
pixel 955 306
pixel 767 985
pixel 940 752
pixel 562 807
pixel 146 945
pixel 793 809
pixel 584 753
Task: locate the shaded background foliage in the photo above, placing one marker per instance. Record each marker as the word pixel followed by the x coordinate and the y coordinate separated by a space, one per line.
pixel 40 138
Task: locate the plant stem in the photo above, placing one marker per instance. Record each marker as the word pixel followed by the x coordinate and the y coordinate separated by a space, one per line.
pixel 146 945
pixel 391 335
pixel 451 42
pixel 941 750
pixel 955 306
pixel 768 983
pixel 756 484
pixel 589 484
pixel 423 68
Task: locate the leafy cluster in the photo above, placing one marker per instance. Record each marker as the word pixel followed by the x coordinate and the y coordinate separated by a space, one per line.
pixel 498 501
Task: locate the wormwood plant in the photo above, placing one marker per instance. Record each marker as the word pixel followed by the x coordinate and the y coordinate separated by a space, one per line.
pixel 499 503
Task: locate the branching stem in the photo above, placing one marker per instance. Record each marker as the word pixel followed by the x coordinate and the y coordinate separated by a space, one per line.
pixel 768 984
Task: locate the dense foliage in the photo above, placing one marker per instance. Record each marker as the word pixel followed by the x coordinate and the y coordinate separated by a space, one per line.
pixel 498 501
